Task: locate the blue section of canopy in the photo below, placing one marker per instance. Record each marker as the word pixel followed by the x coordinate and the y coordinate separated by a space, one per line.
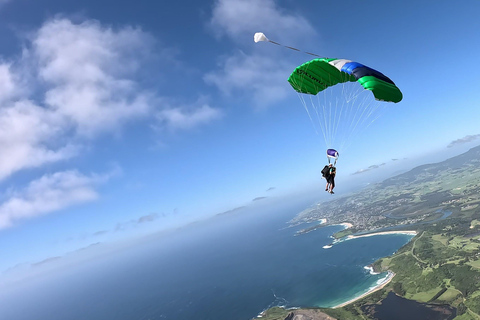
pixel 350 66
pixel 360 72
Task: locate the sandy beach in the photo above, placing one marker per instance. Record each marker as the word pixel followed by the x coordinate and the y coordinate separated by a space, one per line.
pixel 413 233
pixel 347 225
pixel 380 286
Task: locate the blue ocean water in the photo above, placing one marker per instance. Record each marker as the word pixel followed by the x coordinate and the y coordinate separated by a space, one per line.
pixel 230 267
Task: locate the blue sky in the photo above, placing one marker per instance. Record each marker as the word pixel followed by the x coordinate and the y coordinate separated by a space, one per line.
pixel 121 118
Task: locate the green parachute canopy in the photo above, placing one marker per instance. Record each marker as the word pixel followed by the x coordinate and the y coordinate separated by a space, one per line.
pixel 318 74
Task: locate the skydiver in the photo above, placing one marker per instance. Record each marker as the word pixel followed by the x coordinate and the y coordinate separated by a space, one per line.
pixel 331 179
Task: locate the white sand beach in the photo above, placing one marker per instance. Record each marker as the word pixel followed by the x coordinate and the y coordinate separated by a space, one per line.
pixel 347 225
pixel 376 288
pixel 409 232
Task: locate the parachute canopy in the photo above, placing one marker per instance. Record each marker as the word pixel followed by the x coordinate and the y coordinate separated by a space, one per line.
pixel 259 37
pixel 332 153
pixel 318 74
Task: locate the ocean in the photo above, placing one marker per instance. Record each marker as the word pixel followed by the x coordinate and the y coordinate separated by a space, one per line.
pixel 231 267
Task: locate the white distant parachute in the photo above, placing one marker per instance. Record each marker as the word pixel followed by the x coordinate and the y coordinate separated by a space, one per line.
pixel 259 36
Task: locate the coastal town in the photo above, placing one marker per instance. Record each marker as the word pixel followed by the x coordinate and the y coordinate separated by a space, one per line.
pixel 423 195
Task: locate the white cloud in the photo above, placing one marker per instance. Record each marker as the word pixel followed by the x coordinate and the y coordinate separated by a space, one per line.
pixel 25 130
pixel 463 140
pixel 260 77
pixel 86 74
pixel 72 83
pixel 185 118
pixel 8 86
pixel 47 194
pixel 88 70
pixel 76 81
pixel 238 17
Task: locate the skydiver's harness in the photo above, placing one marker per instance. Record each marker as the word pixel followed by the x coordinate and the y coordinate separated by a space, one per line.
pixel 333 171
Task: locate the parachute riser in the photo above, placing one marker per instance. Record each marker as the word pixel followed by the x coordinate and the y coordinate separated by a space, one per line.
pixel 258 37
pixel 334 162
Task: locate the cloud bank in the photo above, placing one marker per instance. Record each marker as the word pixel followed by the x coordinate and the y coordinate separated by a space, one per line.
pixel 236 18
pixel 73 83
pixel 372 167
pixel 463 140
pixel 47 194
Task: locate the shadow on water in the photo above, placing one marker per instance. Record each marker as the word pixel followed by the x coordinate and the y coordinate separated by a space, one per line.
pixel 397 308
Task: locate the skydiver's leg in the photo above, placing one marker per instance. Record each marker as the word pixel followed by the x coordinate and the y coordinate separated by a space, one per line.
pixel 332 185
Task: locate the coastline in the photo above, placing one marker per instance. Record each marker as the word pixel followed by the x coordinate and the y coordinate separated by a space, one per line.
pixel 390 273
pixel 347 225
pixel 381 283
pixel 372 290
pixel 408 232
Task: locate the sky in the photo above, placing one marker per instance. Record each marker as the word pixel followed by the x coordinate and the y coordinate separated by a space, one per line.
pixel 121 118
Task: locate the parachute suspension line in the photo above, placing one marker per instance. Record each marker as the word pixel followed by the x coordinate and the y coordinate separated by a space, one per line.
pixel 318 122
pixel 346 99
pixel 322 120
pixel 374 112
pixel 319 119
pixel 340 118
pixel 340 104
pixel 371 111
pixel 322 128
pixel 332 120
pixel 308 113
pixel 327 117
pixel 356 117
